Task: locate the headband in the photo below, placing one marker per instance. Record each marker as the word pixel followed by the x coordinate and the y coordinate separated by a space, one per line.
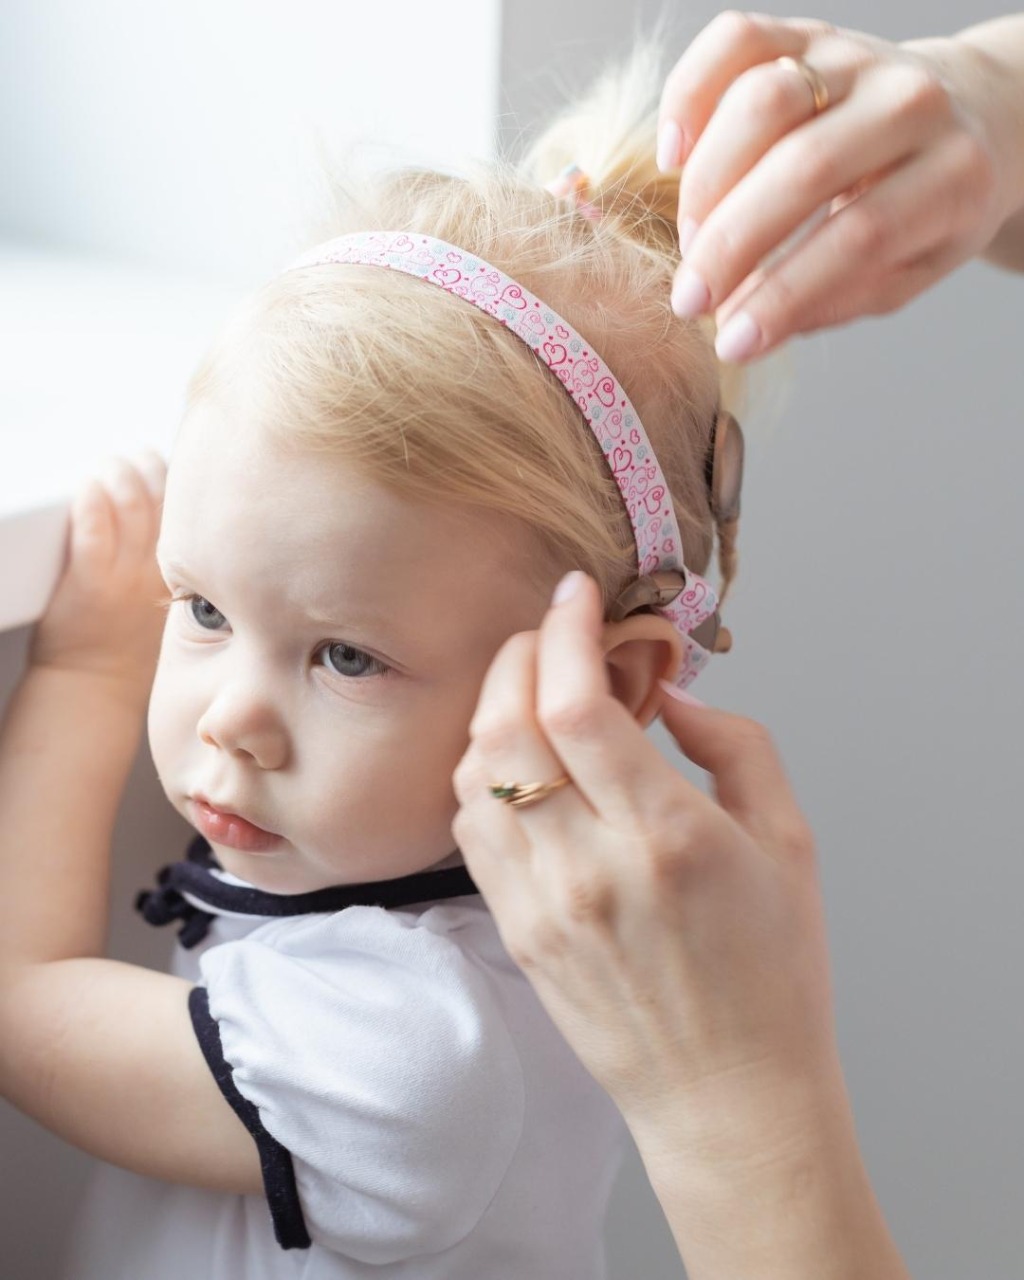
pixel 672 590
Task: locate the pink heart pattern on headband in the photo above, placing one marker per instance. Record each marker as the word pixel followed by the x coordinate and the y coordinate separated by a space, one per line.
pixel 595 389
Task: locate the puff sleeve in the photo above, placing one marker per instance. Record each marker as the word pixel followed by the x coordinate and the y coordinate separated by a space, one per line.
pixel 367 1054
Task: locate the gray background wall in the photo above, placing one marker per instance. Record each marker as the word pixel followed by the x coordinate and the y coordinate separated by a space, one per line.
pixel 878 619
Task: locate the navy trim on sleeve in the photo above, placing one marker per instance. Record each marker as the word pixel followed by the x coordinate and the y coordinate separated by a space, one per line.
pixel 275 1159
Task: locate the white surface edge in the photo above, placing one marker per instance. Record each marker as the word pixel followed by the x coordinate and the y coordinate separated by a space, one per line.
pixel 32 550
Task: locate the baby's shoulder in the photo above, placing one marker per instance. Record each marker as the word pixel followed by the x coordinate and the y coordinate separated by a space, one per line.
pixel 424 934
pixel 406 972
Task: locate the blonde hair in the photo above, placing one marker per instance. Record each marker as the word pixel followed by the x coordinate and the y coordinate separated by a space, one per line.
pixel 434 399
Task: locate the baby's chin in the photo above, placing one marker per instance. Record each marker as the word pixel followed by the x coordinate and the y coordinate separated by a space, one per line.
pixel 272 871
pixel 286 870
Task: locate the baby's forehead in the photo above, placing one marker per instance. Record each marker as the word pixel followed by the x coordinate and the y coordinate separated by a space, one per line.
pixel 221 427
pixel 241 520
pixel 230 449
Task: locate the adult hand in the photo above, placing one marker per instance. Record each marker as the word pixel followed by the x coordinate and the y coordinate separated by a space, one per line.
pixel 676 939
pixel 913 167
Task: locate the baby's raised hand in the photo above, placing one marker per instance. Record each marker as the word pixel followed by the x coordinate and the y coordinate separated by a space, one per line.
pixel 105 615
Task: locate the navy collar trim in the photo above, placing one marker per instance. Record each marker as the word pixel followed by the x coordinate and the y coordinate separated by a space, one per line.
pixel 183 885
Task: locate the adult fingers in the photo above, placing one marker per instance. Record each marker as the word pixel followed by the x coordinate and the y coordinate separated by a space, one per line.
pixel 760 107
pixel 511 747
pixel 491 841
pixel 498 840
pixel 730 44
pixel 808 168
pixel 615 768
pixel 749 779
pixel 536 882
pixel 871 256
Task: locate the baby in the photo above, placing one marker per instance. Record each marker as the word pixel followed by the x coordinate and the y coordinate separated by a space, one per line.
pixel 393 454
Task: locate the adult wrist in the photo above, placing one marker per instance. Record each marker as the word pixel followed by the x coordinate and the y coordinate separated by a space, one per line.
pixel 725 1134
pixel 1001 43
pixel 985 65
pixel 783 1197
pixel 1004 77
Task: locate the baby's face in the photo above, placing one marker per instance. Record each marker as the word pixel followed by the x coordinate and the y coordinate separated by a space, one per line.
pixel 323 657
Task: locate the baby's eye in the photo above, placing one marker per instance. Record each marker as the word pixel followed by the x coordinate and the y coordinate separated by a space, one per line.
pixel 345 660
pixel 203 612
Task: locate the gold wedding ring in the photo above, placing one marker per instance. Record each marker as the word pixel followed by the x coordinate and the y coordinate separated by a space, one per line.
pixel 813 79
pixel 521 794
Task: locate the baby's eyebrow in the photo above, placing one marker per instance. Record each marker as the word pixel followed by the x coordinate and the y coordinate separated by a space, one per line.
pixel 363 618
pixel 360 618
pixel 171 567
pixel 168 563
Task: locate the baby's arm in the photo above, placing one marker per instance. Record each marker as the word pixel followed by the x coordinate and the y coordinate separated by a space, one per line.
pixel 101 1053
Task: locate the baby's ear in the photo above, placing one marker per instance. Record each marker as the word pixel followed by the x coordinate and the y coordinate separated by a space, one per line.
pixel 640 651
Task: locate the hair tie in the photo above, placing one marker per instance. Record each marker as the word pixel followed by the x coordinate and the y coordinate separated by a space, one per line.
pixel 572 181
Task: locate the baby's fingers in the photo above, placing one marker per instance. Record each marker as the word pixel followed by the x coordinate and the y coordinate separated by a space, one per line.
pixel 93 528
pixel 135 490
pixel 153 470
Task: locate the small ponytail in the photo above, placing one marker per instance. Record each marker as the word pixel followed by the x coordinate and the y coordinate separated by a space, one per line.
pixel 609 133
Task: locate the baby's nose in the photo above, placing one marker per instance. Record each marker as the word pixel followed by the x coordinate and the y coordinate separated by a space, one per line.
pixel 242 721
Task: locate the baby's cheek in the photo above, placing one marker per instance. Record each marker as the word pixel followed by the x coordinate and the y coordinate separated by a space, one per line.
pixel 165 720
pixel 433 796
pixel 395 805
pixel 155 719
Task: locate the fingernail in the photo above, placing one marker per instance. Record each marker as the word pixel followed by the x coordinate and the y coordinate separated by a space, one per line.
pixel 681 695
pixel 568 587
pixel 740 337
pixel 687 230
pixel 153 471
pixel 669 153
pixel 690 295
pixel 121 483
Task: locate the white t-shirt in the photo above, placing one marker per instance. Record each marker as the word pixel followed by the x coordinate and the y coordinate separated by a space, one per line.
pixel 418 1115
